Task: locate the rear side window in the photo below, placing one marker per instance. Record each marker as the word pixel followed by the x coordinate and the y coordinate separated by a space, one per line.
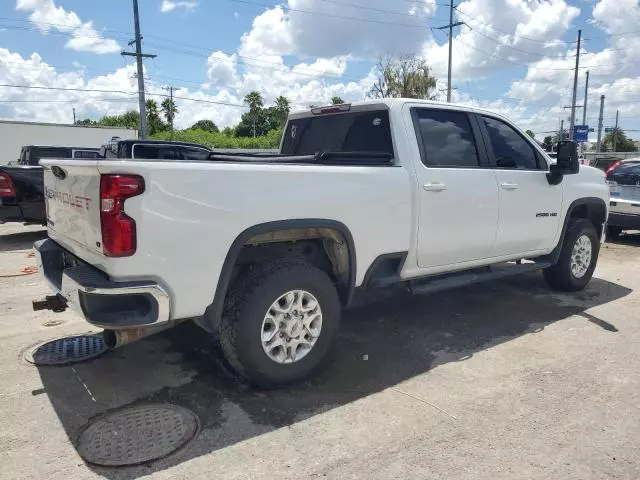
pixel 37 153
pixel 193 153
pixel 447 138
pixel 153 152
pixel 347 132
pixel 85 154
pixel 510 149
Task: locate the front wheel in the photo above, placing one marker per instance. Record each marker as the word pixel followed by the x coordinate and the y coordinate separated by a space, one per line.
pixel 577 259
pixel 279 322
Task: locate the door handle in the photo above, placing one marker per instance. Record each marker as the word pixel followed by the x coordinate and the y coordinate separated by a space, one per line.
pixel 434 187
pixel 509 186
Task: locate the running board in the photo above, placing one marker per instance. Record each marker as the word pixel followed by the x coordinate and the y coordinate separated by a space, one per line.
pixel 468 277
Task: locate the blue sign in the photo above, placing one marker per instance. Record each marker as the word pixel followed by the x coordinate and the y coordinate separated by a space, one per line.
pixel 581 133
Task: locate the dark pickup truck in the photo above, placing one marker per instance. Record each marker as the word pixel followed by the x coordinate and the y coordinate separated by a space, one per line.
pixel 21 182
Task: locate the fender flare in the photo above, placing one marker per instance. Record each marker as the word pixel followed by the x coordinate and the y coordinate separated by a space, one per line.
pixel 224 280
pixel 555 254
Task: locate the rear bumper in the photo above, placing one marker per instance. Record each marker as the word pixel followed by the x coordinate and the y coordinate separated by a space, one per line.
pixel 624 220
pixel 101 301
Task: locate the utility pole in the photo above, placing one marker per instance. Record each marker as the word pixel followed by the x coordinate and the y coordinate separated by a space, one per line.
pixel 584 106
pixel 139 56
pixel 450 27
pixel 575 89
pixel 561 136
pixel 171 109
pixel 74 115
pixel 615 133
pixel 600 120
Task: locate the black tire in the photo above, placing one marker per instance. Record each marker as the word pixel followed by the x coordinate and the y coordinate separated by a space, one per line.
pixel 613 232
pixel 246 305
pixel 560 276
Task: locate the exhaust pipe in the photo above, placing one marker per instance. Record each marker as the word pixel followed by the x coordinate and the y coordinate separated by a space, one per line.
pixel 118 338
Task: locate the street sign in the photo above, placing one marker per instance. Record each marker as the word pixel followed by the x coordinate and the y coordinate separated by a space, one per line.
pixel 591 130
pixel 608 129
pixel 580 133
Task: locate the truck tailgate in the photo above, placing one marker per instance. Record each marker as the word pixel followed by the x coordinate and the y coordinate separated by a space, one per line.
pixel 72 190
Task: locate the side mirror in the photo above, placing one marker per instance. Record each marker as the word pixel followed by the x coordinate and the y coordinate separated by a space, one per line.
pixel 103 151
pixel 567 162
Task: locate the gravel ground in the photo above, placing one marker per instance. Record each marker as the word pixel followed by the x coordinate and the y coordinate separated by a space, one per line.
pixel 500 380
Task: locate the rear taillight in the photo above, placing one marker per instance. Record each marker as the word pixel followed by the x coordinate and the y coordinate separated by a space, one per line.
pixel 118 229
pixel 6 186
pixel 612 167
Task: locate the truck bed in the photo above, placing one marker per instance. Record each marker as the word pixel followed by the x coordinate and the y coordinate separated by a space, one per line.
pixel 28 204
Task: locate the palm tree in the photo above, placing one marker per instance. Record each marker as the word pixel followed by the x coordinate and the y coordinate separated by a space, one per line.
pixel 169 110
pixel 254 100
pixel 153 116
pixel 283 107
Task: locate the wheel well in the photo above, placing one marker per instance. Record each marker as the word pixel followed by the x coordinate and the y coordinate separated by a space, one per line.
pixel 595 212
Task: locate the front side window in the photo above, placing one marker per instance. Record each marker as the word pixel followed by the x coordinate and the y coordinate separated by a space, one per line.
pixel 510 149
pixel 447 139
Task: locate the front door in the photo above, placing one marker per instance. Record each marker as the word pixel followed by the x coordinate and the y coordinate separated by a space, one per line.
pixel 529 207
pixel 458 196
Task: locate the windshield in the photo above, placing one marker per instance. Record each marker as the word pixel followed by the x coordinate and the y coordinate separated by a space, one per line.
pixel 348 132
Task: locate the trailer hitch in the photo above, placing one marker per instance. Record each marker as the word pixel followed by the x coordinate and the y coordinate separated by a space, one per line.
pixel 56 303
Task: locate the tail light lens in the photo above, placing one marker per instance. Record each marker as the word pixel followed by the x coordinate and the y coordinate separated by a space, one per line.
pixel 6 186
pixel 612 167
pixel 118 229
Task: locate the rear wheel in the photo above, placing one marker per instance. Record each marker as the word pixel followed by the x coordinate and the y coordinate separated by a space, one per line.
pixel 279 322
pixel 577 260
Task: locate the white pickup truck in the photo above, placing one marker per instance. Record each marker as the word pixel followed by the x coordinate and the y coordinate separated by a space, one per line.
pixel 264 252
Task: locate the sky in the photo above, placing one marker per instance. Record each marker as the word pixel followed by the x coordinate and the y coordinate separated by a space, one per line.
pixel 516 57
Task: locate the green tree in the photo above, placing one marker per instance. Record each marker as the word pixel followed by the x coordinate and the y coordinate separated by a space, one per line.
pixel 87 122
pixel 154 122
pixel 254 100
pixel 531 134
pixel 169 110
pixel 405 77
pixel 622 143
pixel 282 108
pixel 336 100
pixel 547 143
pixel 206 125
pixel 129 119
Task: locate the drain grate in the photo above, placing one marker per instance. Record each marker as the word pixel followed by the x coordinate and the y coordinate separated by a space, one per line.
pixel 137 435
pixel 63 351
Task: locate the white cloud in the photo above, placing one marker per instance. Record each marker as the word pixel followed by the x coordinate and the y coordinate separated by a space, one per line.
pixel 84 37
pixel 169 5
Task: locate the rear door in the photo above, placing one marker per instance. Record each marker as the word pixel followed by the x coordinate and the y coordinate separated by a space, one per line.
pixel 529 207
pixel 458 196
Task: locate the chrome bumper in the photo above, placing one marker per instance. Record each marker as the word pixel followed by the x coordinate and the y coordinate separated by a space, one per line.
pixel 101 301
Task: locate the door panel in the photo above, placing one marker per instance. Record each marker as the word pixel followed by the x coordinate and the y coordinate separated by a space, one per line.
pixel 529 212
pixel 529 206
pixel 458 198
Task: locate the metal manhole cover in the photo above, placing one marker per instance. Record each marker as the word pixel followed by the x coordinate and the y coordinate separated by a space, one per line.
pixel 137 435
pixel 63 351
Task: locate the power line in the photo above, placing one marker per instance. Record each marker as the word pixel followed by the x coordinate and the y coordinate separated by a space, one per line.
pixel 87 90
pixel 510 46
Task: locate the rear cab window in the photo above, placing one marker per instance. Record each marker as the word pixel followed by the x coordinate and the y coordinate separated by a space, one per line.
pixel 353 131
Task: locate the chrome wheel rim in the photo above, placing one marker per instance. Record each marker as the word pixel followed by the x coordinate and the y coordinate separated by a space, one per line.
pixel 291 327
pixel 581 256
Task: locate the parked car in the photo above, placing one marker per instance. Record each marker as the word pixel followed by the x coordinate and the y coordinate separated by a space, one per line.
pixel 264 252
pixel 624 185
pixel 21 185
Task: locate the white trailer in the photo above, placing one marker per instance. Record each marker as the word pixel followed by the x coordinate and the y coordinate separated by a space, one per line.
pixel 15 134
